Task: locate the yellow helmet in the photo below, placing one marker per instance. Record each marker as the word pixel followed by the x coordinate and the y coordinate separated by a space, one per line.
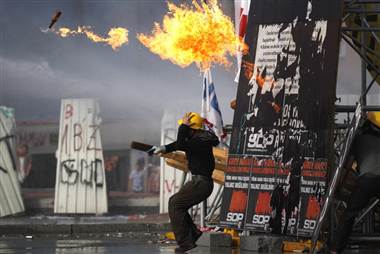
pixel 374 117
pixel 196 121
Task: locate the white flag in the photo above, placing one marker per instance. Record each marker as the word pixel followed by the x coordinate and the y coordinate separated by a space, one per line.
pixel 210 107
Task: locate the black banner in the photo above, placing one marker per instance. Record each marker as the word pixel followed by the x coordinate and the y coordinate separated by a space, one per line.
pixel 282 131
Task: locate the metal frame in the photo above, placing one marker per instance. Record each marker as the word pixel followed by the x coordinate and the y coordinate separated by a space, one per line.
pixel 357 8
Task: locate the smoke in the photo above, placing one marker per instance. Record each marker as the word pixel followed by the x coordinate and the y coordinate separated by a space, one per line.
pixel 133 85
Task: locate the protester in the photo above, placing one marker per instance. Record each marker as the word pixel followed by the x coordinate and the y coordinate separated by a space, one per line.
pixel 366 152
pixel 197 144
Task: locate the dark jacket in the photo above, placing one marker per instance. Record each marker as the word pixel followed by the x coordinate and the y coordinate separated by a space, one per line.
pixel 197 144
pixel 366 150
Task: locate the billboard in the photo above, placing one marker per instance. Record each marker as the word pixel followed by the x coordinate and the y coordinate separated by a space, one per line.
pixel 282 129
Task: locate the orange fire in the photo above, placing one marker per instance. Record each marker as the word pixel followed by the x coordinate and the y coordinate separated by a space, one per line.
pixel 117 36
pixel 199 34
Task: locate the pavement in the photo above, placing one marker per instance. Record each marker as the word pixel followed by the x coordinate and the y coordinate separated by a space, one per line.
pixel 140 234
pixel 130 243
pixel 126 244
pixel 72 225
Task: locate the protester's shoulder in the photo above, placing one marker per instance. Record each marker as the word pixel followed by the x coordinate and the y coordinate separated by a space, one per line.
pixel 207 135
pixel 211 133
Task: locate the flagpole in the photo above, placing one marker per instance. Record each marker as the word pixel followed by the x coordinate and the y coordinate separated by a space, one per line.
pixel 208 88
pixel 207 84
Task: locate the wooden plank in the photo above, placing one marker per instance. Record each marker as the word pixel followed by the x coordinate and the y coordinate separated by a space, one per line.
pixel 217 176
pixel 181 157
pixel 221 155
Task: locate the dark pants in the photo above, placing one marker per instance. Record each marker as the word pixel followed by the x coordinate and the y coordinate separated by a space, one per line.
pixel 192 193
pixel 368 187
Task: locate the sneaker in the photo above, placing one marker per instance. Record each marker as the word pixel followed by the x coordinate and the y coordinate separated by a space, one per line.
pixel 184 248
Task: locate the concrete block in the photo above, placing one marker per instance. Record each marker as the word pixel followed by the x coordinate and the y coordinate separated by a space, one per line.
pixel 215 239
pixel 262 243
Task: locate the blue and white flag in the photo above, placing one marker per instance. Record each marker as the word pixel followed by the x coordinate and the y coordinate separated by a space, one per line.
pixel 210 107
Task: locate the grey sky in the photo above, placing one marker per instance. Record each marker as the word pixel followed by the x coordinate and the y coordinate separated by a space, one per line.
pixel 132 84
pixel 37 69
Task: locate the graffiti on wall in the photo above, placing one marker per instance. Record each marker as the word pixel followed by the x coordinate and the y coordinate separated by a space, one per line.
pixel 170 187
pixel 87 173
pixel 3 170
pixel 78 139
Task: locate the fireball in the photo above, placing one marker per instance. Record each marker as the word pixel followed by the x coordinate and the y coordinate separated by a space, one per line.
pixel 199 34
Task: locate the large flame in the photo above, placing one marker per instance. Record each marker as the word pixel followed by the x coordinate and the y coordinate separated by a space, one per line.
pixel 117 36
pixel 199 34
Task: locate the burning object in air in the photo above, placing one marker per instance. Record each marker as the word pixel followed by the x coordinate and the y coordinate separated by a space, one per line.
pixel 117 36
pixel 199 34
pixel 55 18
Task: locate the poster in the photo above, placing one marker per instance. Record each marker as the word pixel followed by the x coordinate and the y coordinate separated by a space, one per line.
pixel 284 117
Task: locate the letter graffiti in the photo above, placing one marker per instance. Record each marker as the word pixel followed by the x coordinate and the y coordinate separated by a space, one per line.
pixel 92 172
pixel 68 173
pixel 77 136
pixel 80 142
pixel 87 173
pixel 93 139
pixel 64 138
pixel 69 111
pixel 4 170
pixel 171 187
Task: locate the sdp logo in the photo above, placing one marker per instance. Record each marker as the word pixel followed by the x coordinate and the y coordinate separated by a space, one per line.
pixel 235 217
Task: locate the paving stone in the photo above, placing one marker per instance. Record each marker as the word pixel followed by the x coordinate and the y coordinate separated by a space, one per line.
pixel 262 243
pixel 215 239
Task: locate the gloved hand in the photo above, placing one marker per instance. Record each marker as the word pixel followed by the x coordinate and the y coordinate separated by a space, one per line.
pixel 157 150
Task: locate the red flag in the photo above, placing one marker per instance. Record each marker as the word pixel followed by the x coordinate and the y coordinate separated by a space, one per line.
pixel 242 21
pixel 244 10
